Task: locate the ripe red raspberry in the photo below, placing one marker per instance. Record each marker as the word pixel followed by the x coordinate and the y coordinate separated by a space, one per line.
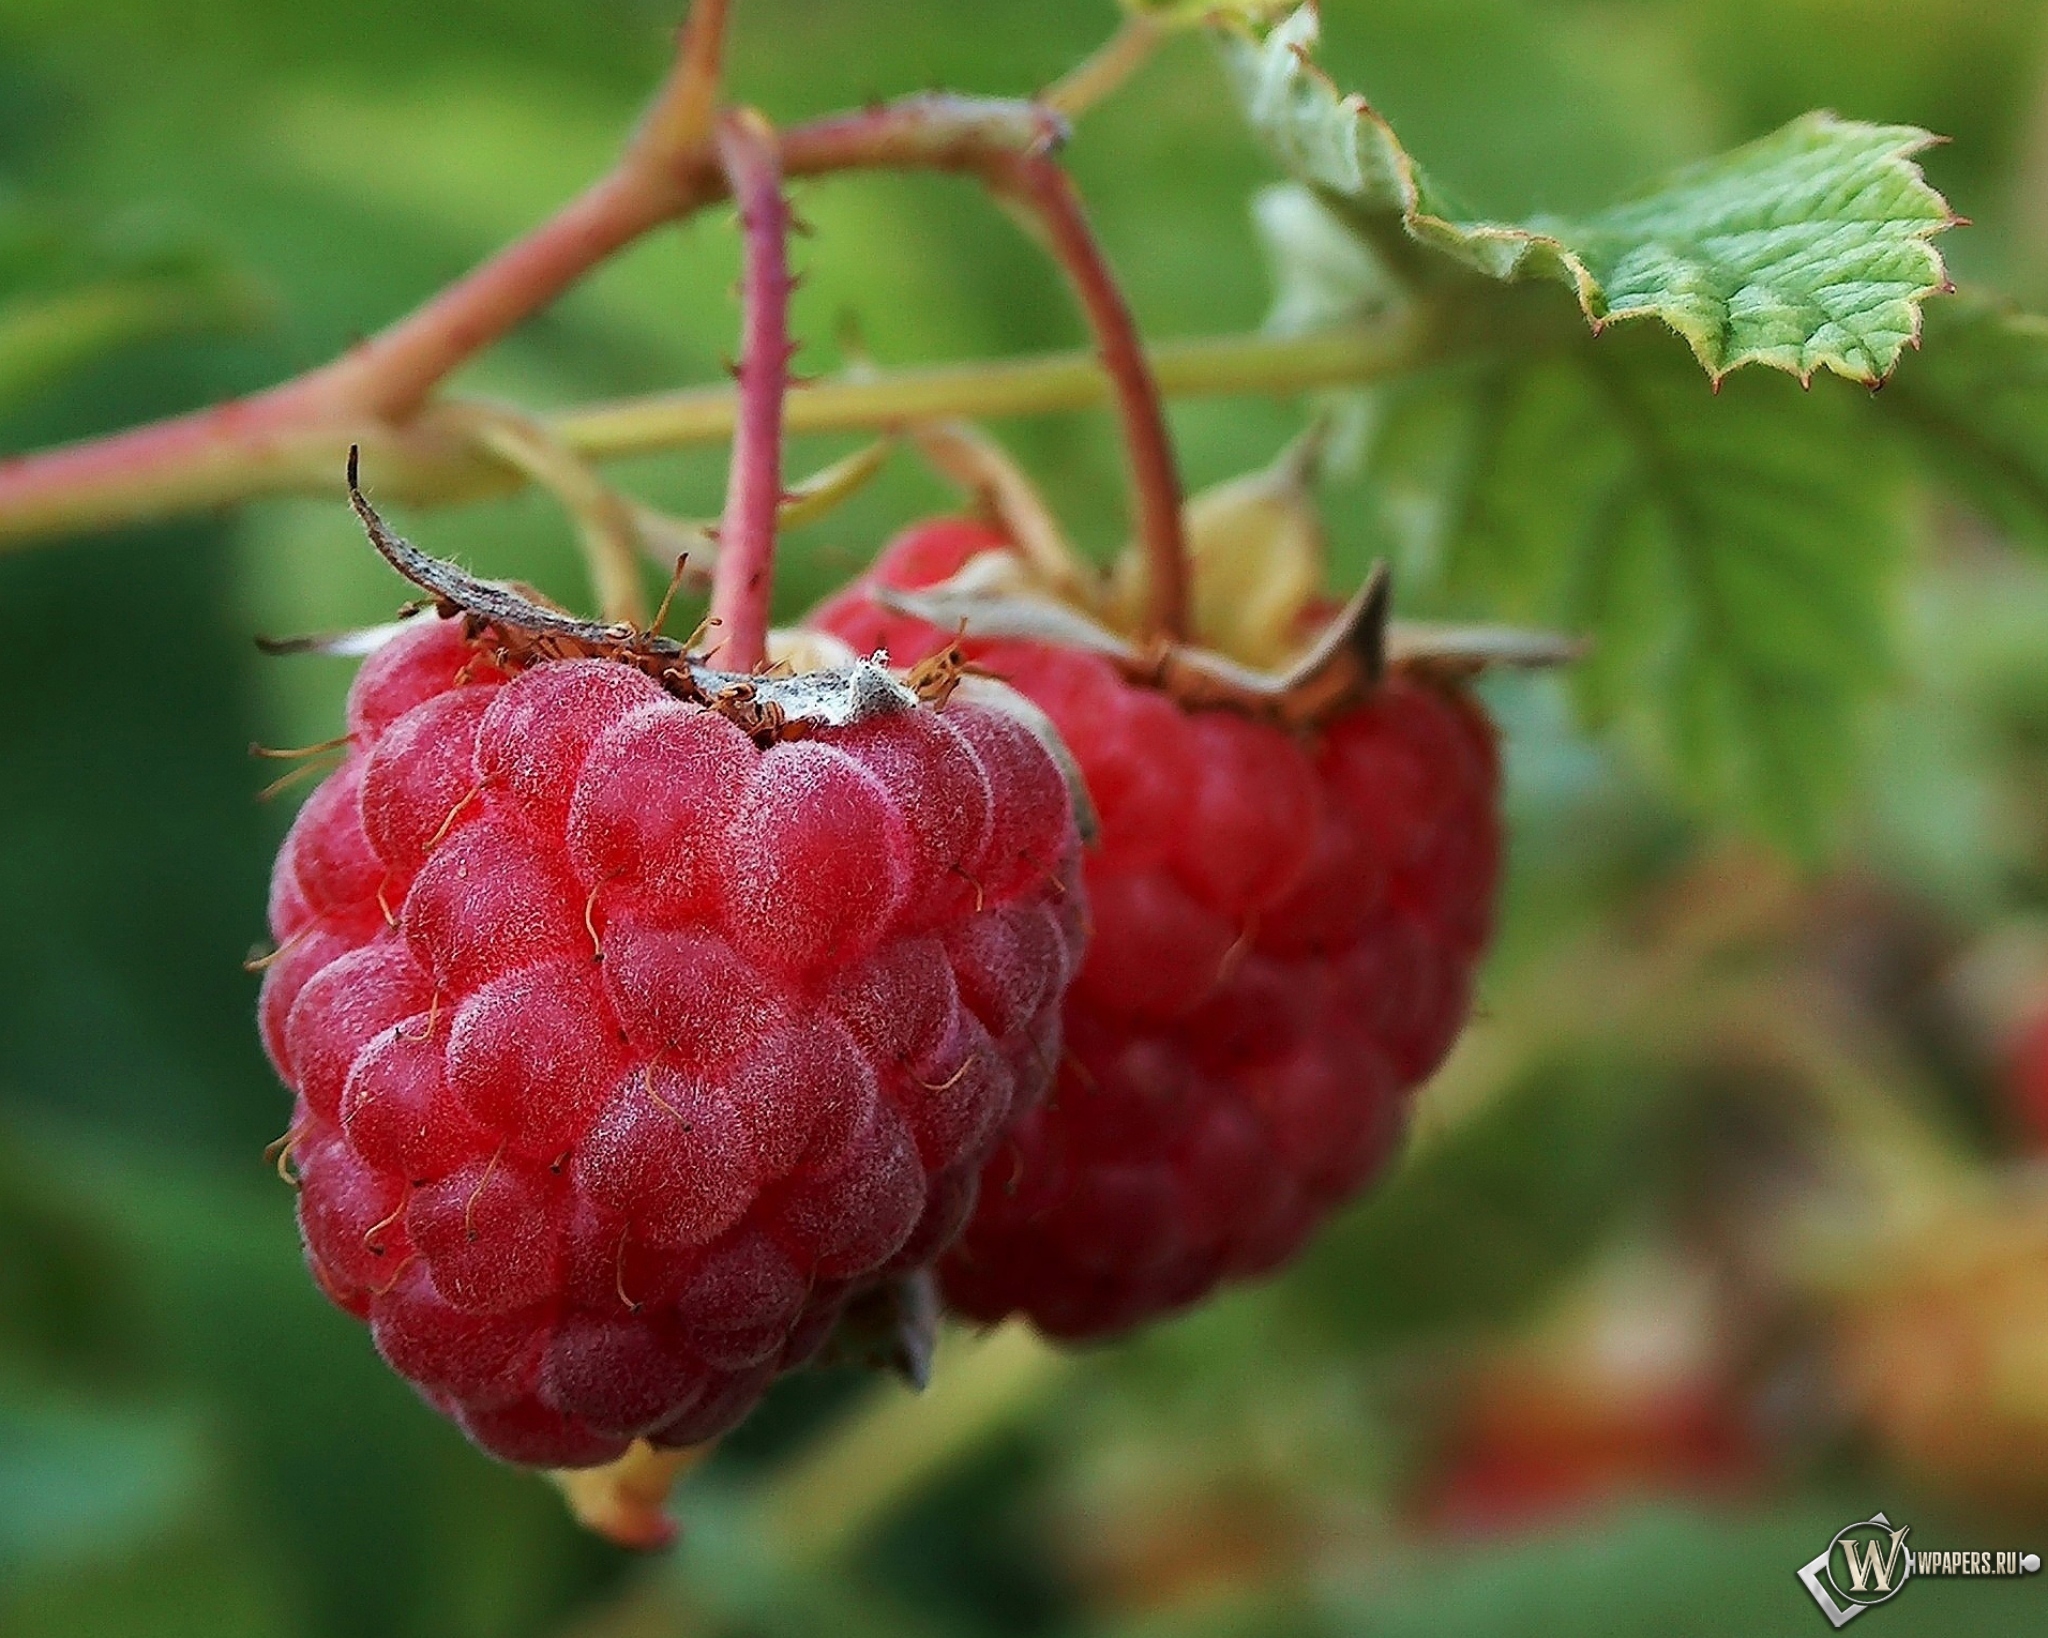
pixel 1285 929
pixel 625 1050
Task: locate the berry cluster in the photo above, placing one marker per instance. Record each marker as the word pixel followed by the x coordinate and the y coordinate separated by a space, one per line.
pixel 1285 928
pixel 626 1050
pixel 652 1025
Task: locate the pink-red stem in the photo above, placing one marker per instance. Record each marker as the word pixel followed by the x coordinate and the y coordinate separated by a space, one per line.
pixel 390 374
pixel 744 581
pixel 1036 182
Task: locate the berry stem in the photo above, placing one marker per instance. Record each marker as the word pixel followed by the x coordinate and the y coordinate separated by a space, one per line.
pixel 826 1502
pixel 683 117
pixel 744 581
pixel 1044 189
pixel 278 440
pixel 1105 70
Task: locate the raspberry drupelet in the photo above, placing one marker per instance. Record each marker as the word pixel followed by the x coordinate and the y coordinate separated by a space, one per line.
pixel 627 1049
pixel 1285 928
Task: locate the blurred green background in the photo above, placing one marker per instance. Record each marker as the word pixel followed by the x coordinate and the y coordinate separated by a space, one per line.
pixel 1562 1374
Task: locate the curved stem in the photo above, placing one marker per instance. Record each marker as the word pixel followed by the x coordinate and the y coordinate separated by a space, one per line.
pixel 744 581
pixel 1106 69
pixel 683 117
pixel 935 130
pixel 291 439
pixel 607 527
pixel 390 374
pixel 1043 188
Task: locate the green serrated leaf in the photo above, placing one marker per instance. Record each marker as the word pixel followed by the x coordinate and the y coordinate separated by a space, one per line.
pixel 1808 250
pixel 1733 556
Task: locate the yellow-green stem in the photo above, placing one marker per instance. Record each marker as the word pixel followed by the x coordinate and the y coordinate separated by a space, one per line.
pixel 1047 384
pixel 434 458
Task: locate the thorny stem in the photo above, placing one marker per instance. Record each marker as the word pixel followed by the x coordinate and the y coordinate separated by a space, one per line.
pixel 261 443
pixel 391 374
pixel 1044 189
pixel 1024 174
pixel 933 131
pixel 744 580
pixel 684 115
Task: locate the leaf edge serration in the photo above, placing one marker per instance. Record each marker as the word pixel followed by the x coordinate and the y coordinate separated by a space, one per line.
pixel 1266 69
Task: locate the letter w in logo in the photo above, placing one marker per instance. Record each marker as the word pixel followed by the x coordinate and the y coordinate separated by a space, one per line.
pixel 1878 1565
pixel 1872 1572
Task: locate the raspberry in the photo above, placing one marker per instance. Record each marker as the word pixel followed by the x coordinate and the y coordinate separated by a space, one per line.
pixel 1285 930
pixel 627 1051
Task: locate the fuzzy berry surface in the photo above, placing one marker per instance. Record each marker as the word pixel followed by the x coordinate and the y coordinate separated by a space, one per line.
pixel 626 1051
pixel 1285 928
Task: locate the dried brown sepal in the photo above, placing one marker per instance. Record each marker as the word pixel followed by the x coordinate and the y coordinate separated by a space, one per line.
pixel 997 594
pixel 1457 652
pixel 529 630
pixel 937 677
pixel 777 704
pixel 994 599
pixel 1257 560
pixel 831 487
